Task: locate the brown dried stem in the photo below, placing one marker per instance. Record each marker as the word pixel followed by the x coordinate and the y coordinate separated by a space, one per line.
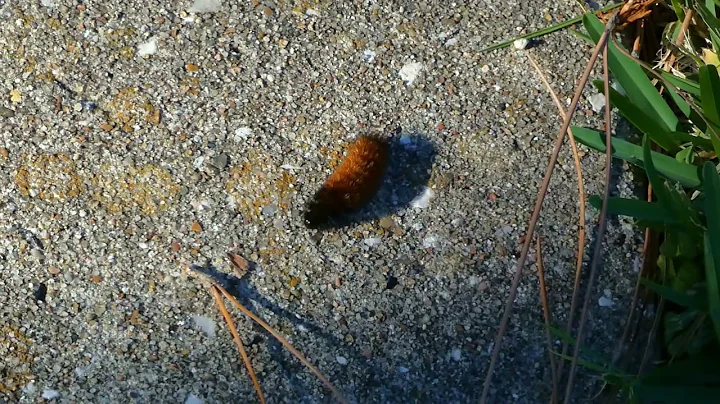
pixel 581 216
pixel 536 213
pixel 546 314
pixel 238 342
pixel 601 226
pixel 283 341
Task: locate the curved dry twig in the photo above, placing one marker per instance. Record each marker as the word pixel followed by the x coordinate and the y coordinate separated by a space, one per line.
pixel 546 314
pixel 581 216
pixel 536 213
pixel 601 227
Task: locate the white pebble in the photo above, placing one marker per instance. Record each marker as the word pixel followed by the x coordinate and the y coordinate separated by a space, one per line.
pixel 403 369
pixel 369 55
pixel 597 101
pixel 372 241
pixel 410 71
pixel 423 200
pixel 451 42
pixel 521 43
pixel 341 360
pixel 50 394
pixel 456 355
pixel 205 6
pixel 206 324
pixel 193 399
pixel 430 242
pixel 242 133
pixel 147 48
pixel 606 299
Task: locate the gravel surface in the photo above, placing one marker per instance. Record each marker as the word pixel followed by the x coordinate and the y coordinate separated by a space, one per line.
pixel 140 137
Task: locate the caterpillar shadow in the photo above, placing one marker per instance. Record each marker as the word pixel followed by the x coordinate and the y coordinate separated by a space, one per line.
pixel 411 159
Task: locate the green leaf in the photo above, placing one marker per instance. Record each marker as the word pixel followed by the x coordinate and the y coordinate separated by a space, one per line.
pixel 688 275
pixel 673 394
pixel 674 200
pixel 685 155
pixel 683 84
pixel 633 80
pixel 712 241
pixel 679 8
pixel 653 214
pixel 701 370
pixel 712 23
pixel 691 299
pixel 710 95
pixel 679 244
pixel 687 332
pixel 686 174
pixel 700 142
pixel 658 132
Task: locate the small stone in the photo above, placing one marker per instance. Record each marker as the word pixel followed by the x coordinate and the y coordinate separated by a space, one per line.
pixel 15 95
pixel 485 69
pixel 53 270
pixel 372 242
pixel 106 127
pixel 294 281
pixel 341 360
pixel 282 43
pixel 391 282
pixel 521 43
pixel 6 112
pixel 96 279
pixel 196 227
pixel 40 292
pixel 99 309
pixel 192 68
pixel 50 394
pixel 37 254
pixel 492 197
pixel 220 161
pixel 175 246
pixel 268 11
pixel 456 354
pixel 154 117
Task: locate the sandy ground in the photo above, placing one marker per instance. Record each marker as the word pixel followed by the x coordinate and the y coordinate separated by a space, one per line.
pixel 139 137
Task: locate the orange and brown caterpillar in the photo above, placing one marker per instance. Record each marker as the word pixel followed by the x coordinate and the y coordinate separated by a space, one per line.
pixel 353 183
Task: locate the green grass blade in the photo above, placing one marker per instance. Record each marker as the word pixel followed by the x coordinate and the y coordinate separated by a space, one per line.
pixel 670 394
pixel 700 142
pixel 674 200
pixel 712 242
pixel 695 301
pixel 701 370
pixel 658 185
pixel 707 13
pixel 710 96
pixel 544 31
pixel 640 119
pixel 686 174
pixel 633 80
pixel 635 208
pixel 710 4
pixel 689 86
